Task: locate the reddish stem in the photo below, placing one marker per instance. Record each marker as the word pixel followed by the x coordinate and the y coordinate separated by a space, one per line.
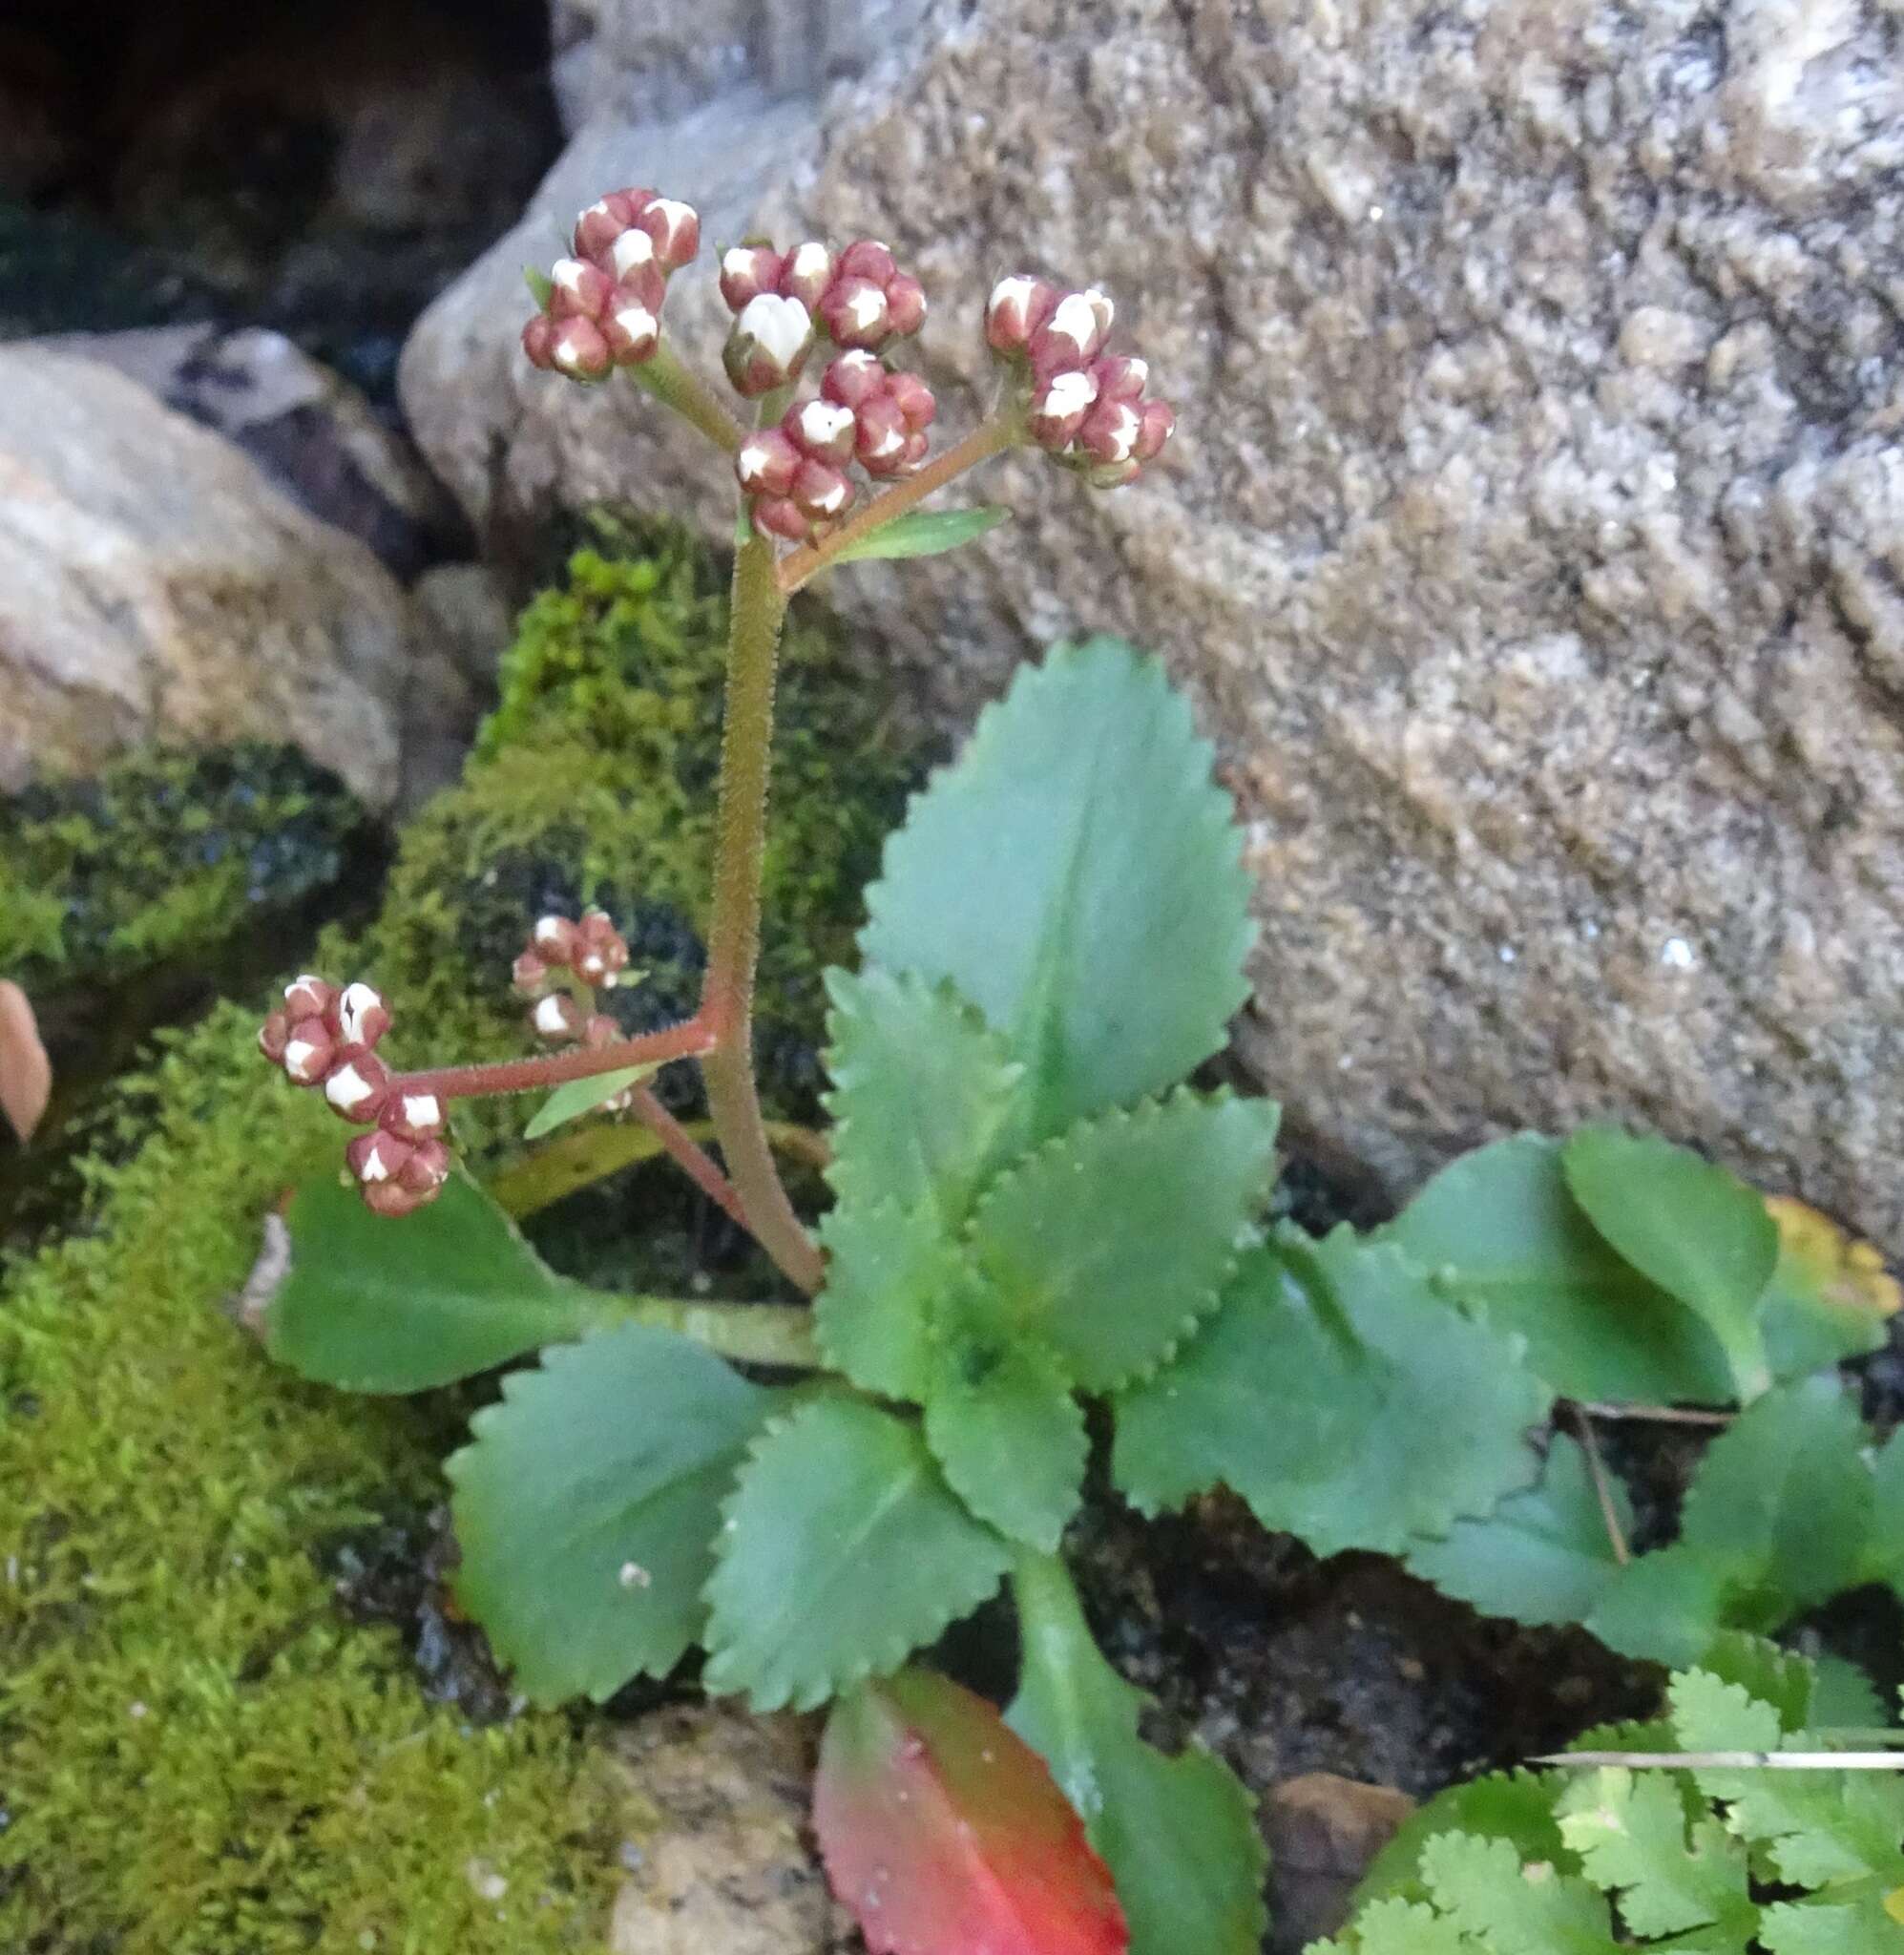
pixel 693 1159
pixel 692 1039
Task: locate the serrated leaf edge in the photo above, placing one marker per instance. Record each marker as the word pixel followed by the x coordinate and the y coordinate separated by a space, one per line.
pixel 874 1665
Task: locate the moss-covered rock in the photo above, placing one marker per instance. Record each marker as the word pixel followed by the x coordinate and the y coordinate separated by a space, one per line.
pixel 203 1749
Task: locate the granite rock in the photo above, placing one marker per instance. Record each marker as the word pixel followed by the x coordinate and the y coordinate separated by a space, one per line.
pixel 1532 546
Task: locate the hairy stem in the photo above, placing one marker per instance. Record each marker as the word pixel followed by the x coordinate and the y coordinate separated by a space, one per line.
pixel 779 1333
pixel 677 386
pixel 688 1040
pixel 694 1159
pixel 989 438
pixel 734 928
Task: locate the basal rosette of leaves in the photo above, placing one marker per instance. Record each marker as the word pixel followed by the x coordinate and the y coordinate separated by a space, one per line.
pixel 1725 1855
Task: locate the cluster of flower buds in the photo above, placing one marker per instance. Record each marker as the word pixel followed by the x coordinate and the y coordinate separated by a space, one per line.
pixel 327 1037
pixel 796 473
pixel 783 300
pixel 604 304
pixel 596 954
pixel 1087 407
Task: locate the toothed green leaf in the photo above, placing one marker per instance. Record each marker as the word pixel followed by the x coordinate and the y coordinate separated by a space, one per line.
pixel 922 1094
pixel 1109 1242
pixel 1630 1833
pixel 1499 1232
pixel 925 533
pixel 1078 876
pixel 1515 1807
pixel 1694 1230
pixel 886 1267
pixel 842 1551
pixel 1509 1908
pixel 1001 1422
pixel 1544 1555
pixel 587 1504
pixel 1340 1397
pixel 1179 1833
pixel 376 1305
pixel 1666 1606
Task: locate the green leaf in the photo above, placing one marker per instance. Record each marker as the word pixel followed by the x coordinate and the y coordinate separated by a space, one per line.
pixel 578 1096
pixel 1509 1909
pixel 1631 1834
pixel 1078 876
pixel 1110 1242
pixel 1542 1556
pixel 1883 1557
pixel 924 532
pixel 1398 1928
pixel 1179 1834
pixel 922 1094
pixel 587 1505
pixel 376 1305
pixel 886 1267
pixel 1831 1297
pixel 945 1834
pixel 1001 1422
pixel 1515 1807
pixel 1499 1230
pixel 1690 1227
pixel 1340 1397
pixel 1667 1607
pixel 843 1550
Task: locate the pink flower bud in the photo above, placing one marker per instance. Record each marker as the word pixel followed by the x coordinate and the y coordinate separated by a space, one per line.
pixel 426 1170
pixel 580 351
pixel 308 998
pixel 853 378
pixel 557 1019
pixel 538 341
pixel 675 230
pixel 597 929
pixel 391 1198
pixel 916 445
pixel 412 1116
pixel 746 271
pixel 768 345
pixel 310 1047
pixel 1119 379
pixel 1058 410
pixel 555 940
pixel 632 329
pixel 530 975
pixel 377 1157
pixel 880 443
pixel 601 1030
pixel 914 399
pixel 361 1016
pixel 821 493
pixel 764 463
pixel 1158 423
pixel 604 220
pixel 904 305
pixel 778 516
pixel 1075 333
pixel 358 1087
pixel 1109 432
pixel 1019 307
pixel 579 289
pixel 855 313
pixel 866 258
pixel 805 273
pixel 822 429
pixel 273 1036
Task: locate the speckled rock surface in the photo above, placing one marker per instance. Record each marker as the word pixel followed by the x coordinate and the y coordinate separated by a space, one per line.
pixel 154 585
pixel 1533 545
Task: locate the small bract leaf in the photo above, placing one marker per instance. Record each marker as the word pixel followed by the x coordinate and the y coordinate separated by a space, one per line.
pixel 842 1551
pixel 373 1305
pixel 1690 1227
pixel 944 1834
pixel 1078 876
pixel 922 1094
pixel 541 287
pixel 1179 1834
pixel 1001 1421
pixel 924 532
pixel 1542 1556
pixel 577 1097
pixel 1109 1242
pixel 1343 1399
pixel 1499 1230
pixel 26 1072
pixel 587 1505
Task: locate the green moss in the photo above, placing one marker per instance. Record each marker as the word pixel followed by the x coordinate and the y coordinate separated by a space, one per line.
pixel 198 1753
pixel 162 856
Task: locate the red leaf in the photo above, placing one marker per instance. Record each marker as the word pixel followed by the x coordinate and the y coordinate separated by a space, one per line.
pixel 945 1835
pixel 26 1073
